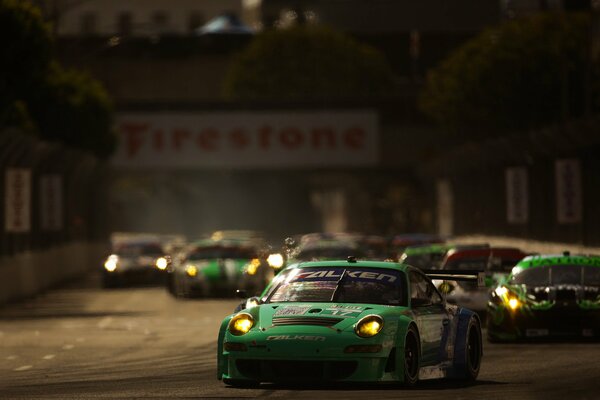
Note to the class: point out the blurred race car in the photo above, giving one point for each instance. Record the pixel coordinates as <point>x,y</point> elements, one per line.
<point>400,242</point>
<point>547,296</point>
<point>135,260</point>
<point>360,321</point>
<point>218,266</point>
<point>425,256</point>
<point>326,246</point>
<point>497,263</point>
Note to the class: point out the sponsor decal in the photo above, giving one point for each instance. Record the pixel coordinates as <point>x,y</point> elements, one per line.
<point>291,310</point>
<point>309,338</point>
<point>355,274</point>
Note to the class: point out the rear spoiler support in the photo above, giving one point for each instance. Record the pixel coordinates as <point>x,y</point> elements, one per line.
<point>457,275</point>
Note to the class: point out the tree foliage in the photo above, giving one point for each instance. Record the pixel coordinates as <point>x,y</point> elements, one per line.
<point>37,94</point>
<point>74,108</point>
<point>25,50</point>
<point>308,62</point>
<point>522,74</point>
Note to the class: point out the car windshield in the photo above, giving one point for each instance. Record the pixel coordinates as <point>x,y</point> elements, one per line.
<point>559,275</point>
<point>139,249</point>
<point>207,253</point>
<point>350,285</point>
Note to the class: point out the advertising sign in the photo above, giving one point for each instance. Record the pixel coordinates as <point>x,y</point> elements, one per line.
<point>17,200</point>
<point>240,140</point>
<point>568,191</point>
<point>517,195</point>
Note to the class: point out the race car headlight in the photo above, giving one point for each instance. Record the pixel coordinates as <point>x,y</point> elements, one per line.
<point>161,263</point>
<point>275,260</point>
<point>513,303</point>
<point>252,266</point>
<point>369,326</point>
<point>191,270</point>
<point>241,324</point>
<point>111,263</point>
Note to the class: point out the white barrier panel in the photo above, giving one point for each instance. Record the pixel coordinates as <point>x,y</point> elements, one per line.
<point>240,140</point>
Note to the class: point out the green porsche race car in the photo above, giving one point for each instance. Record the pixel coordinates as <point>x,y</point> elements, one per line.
<point>547,296</point>
<point>355,321</point>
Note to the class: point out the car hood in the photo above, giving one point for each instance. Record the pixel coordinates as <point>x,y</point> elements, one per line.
<point>335,315</point>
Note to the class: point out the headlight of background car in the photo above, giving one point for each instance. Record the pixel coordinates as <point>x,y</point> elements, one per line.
<point>241,324</point>
<point>252,266</point>
<point>191,270</point>
<point>508,297</point>
<point>111,263</point>
<point>275,260</point>
<point>369,326</point>
<point>161,263</point>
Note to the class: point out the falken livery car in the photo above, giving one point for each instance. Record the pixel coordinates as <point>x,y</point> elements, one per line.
<point>547,296</point>
<point>356,321</point>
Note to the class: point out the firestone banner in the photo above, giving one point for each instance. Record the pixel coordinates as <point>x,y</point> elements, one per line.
<point>240,140</point>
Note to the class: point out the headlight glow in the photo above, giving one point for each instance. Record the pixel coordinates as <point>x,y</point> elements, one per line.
<point>191,270</point>
<point>241,324</point>
<point>111,263</point>
<point>275,260</point>
<point>501,291</point>
<point>161,263</point>
<point>369,326</point>
<point>252,266</point>
<point>514,303</point>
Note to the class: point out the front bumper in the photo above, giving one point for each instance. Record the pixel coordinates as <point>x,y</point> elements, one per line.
<point>557,322</point>
<point>283,356</point>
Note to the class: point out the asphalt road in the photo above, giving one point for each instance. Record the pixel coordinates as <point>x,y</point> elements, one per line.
<point>83,342</point>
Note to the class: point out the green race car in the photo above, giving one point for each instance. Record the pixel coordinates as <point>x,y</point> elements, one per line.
<point>356,321</point>
<point>547,296</point>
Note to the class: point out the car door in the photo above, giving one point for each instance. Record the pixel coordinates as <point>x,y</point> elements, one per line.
<point>430,315</point>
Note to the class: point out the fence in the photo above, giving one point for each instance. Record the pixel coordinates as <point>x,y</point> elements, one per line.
<point>53,213</point>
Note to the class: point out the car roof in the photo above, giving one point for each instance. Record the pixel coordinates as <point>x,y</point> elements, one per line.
<point>462,253</point>
<point>351,264</point>
<point>541,260</point>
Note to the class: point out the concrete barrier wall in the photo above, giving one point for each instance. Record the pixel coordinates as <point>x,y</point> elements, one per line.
<point>29,273</point>
<point>527,245</point>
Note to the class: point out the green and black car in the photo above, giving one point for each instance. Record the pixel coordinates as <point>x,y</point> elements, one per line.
<point>547,296</point>
<point>351,321</point>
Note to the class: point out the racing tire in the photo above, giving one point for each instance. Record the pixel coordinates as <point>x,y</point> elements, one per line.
<point>240,383</point>
<point>473,351</point>
<point>412,352</point>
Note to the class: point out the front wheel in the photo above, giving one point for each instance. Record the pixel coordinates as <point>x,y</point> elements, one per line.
<point>411,357</point>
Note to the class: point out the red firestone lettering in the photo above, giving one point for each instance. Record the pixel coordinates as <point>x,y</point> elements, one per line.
<point>322,137</point>
<point>238,138</point>
<point>291,138</point>
<point>179,136</point>
<point>264,134</point>
<point>207,139</point>
<point>134,136</point>
<point>354,138</point>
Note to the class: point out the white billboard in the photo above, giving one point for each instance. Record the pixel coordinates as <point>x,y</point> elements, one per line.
<point>568,191</point>
<point>17,210</point>
<point>517,195</point>
<point>51,202</point>
<point>237,140</point>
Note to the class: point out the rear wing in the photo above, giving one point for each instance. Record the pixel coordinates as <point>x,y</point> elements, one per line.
<point>457,275</point>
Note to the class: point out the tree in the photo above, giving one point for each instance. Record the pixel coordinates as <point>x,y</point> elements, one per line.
<point>25,50</point>
<point>523,74</point>
<point>75,109</point>
<point>308,62</point>
<point>38,95</point>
